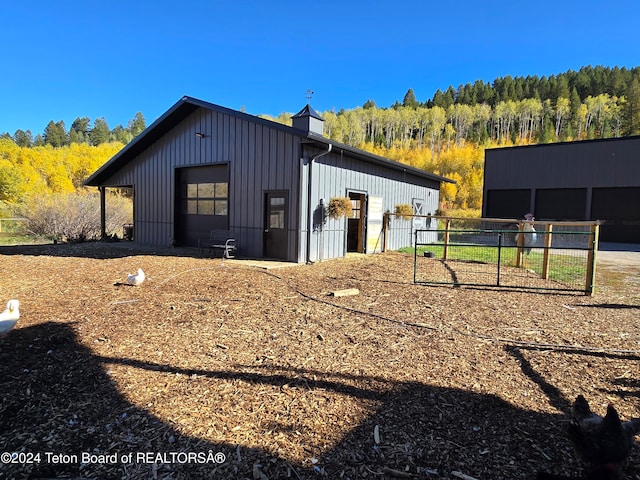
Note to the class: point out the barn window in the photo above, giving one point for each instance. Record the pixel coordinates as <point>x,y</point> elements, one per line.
<point>207,198</point>
<point>356,207</point>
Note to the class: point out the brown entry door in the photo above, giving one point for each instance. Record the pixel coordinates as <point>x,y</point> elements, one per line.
<point>275,231</point>
<point>356,223</point>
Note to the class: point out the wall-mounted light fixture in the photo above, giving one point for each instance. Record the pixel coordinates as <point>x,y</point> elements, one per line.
<point>200,135</point>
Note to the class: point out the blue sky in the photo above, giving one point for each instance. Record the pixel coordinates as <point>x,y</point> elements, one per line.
<point>68,59</point>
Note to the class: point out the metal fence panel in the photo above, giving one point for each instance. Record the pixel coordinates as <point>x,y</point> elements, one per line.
<point>474,252</point>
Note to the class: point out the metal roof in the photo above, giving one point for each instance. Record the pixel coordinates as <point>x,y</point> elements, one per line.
<point>373,158</point>
<point>565,143</point>
<point>187,105</point>
<point>308,111</point>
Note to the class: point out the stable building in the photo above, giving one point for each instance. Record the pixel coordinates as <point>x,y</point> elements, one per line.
<point>202,167</point>
<point>584,180</point>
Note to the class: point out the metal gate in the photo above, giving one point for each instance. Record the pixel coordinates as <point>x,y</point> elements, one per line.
<point>547,257</point>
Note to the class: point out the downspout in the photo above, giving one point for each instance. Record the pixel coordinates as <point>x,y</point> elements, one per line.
<point>309,207</point>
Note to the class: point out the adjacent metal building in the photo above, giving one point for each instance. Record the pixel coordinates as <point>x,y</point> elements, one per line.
<point>203,167</point>
<point>585,180</point>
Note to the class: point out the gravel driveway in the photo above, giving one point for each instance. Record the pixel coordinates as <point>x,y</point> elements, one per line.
<point>619,254</point>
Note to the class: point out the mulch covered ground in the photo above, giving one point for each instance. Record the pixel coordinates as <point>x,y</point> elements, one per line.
<point>220,370</point>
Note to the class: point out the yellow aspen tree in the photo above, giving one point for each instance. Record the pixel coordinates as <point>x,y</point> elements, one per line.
<point>474,183</point>
<point>449,191</point>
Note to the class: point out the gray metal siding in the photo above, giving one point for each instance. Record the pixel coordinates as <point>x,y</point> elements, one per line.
<point>593,166</point>
<point>334,175</point>
<point>260,158</point>
<point>603,163</point>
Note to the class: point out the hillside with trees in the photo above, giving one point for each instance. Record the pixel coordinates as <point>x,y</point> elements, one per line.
<point>448,133</point>
<point>44,185</point>
<point>41,177</point>
<point>445,134</point>
<point>81,131</point>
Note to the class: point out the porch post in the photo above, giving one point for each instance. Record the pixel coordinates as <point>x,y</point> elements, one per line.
<point>103,212</point>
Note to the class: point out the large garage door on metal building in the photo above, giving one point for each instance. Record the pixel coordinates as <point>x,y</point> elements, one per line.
<point>619,208</point>
<point>508,203</point>
<point>561,203</point>
<point>202,202</point>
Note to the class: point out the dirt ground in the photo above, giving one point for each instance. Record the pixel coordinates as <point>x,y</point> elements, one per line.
<point>224,370</point>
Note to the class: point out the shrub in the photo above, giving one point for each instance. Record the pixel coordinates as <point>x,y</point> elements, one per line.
<point>461,213</point>
<point>74,216</point>
<point>404,211</point>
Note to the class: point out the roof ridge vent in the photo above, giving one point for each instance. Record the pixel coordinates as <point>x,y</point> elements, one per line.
<point>308,120</point>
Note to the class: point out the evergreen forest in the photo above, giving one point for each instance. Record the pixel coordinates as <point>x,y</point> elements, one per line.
<point>445,134</point>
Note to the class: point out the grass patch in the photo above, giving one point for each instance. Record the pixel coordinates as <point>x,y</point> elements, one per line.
<point>565,268</point>
<point>8,238</point>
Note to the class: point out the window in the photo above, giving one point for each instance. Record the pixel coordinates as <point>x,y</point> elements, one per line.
<point>356,208</point>
<point>277,212</point>
<point>206,198</point>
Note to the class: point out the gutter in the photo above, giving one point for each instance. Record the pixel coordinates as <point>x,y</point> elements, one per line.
<point>309,208</point>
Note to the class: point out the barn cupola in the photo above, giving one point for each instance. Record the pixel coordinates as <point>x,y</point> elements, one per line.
<point>308,120</point>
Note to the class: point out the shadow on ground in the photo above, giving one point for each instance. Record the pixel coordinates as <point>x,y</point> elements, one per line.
<point>97,250</point>
<point>57,398</point>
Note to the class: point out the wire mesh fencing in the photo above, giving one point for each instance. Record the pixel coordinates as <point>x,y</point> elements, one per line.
<point>507,253</point>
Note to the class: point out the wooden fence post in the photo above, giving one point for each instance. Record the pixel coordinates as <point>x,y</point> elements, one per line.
<point>520,244</point>
<point>447,223</point>
<point>547,249</point>
<point>590,283</point>
<point>385,230</point>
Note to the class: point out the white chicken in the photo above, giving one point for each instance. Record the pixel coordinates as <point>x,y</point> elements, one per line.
<point>136,278</point>
<point>9,317</point>
<point>529,236</point>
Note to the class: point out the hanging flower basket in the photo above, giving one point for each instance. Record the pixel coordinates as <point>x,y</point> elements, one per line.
<point>340,207</point>
<point>404,211</point>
